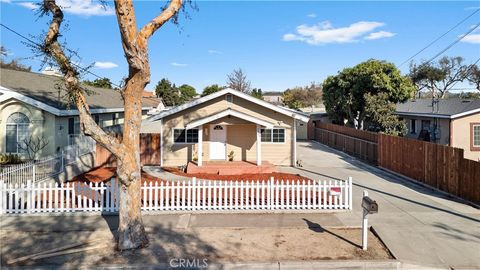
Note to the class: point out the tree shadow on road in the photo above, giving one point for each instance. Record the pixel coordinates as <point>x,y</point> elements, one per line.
<point>30,235</point>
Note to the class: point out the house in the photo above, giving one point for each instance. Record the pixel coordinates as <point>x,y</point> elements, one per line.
<point>212,127</point>
<point>273,97</point>
<point>454,122</point>
<point>34,104</point>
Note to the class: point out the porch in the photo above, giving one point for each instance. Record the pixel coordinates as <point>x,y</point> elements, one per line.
<point>230,167</point>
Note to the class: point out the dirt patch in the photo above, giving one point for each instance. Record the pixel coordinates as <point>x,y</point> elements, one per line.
<point>241,177</point>
<point>104,174</point>
<point>216,245</point>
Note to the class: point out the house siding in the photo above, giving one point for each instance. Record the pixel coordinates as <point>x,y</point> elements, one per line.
<point>462,135</point>
<point>443,126</point>
<point>180,154</point>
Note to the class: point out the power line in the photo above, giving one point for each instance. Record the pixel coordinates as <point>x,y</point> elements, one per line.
<point>39,46</point>
<point>453,43</point>
<point>437,39</point>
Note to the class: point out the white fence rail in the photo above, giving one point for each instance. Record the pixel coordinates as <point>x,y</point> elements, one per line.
<point>46,167</point>
<point>180,196</point>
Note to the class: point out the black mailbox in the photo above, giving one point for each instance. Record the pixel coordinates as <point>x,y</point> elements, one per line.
<point>370,205</point>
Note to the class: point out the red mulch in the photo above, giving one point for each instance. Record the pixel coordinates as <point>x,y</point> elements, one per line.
<point>104,174</point>
<point>241,177</point>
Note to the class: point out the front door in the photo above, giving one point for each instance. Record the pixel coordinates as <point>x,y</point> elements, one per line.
<point>218,139</point>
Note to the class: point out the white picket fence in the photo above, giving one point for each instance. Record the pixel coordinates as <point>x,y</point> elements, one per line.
<point>180,196</point>
<point>46,167</point>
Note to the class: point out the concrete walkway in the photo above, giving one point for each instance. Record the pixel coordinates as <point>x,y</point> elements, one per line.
<point>417,224</point>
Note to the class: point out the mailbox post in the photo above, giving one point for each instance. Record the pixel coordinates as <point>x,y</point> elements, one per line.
<point>369,207</point>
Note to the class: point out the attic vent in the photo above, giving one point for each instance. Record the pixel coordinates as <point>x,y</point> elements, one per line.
<point>229,98</point>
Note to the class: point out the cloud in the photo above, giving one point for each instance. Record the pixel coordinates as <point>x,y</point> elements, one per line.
<point>379,35</point>
<point>325,33</point>
<point>312,15</point>
<point>5,1</point>
<point>105,65</point>
<point>472,38</point>
<point>79,7</point>
<point>214,52</point>
<point>29,5</point>
<point>470,8</point>
<point>175,64</point>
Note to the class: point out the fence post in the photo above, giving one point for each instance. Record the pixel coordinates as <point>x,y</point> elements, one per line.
<point>29,193</point>
<point>33,173</point>
<point>270,191</point>
<point>350,187</point>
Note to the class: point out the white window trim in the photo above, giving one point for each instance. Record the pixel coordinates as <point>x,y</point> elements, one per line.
<point>271,136</point>
<point>17,140</point>
<point>473,135</point>
<point>173,136</point>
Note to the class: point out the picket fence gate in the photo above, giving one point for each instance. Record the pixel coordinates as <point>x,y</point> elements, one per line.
<point>180,196</point>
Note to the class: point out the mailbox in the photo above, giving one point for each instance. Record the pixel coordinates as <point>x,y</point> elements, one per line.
<point>369,205</point>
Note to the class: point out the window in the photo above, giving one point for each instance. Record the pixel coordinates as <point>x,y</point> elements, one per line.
<point>185,135</point>
<point>229,98</point>
<point>73,130</point>
<point>413,126</point>
<point>114,119</point>
<point>475,132</point>
<point>276,135</point>
<point>426,125</point>
<point>17,131</point>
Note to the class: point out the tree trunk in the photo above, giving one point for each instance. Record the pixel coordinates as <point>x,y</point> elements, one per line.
<point>131,232</point>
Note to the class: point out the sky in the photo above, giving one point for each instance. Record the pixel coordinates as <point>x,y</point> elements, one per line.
<point>279,44</point>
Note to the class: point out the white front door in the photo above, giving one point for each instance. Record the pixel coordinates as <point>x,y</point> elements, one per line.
<point>218,139</point>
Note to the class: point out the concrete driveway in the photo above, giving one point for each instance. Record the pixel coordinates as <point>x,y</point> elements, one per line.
<point>417,224</point>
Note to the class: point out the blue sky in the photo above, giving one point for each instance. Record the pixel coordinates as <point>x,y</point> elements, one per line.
<point>280,44</point>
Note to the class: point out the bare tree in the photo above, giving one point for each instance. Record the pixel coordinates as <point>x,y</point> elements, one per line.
<point>238,80</point>
<point>474,76</point>
<point>33,145</point>
<point>440,77</point>
<point>131,231</point>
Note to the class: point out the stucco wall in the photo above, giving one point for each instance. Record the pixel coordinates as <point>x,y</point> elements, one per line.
<point>180,154</point>
<point>462,135</point>
<point>41,123</point>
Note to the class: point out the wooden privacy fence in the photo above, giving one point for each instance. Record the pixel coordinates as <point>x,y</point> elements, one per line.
<point>439,166</point>
<point>363,149</point>
<point>180,196</point>
<point>149,151</point>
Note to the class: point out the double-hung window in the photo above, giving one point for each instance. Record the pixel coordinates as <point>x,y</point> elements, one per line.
<point>475,141</point>
<point>17,131</point>
<point>181,135</point>
<point>274,135</point>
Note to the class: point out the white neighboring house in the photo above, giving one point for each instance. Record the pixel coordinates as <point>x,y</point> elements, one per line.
<point>35,105</point>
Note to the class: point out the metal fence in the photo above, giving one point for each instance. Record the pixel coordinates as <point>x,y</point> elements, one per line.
<point>46,167</point>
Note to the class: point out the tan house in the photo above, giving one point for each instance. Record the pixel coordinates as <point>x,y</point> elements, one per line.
<point>454,122</point>
<point>223,125</point>
<point>35,105</point>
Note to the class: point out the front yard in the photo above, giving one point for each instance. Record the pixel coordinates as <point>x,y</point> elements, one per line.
<point>216,245</point>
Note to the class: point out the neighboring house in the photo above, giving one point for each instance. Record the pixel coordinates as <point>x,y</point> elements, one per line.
<point>273,97</point>
<point>226,121</point>
<point>33,104</point>
<point>454,122</point>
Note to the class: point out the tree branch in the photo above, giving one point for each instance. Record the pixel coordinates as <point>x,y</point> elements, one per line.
<point>149,29</point>
<point>53,49</point>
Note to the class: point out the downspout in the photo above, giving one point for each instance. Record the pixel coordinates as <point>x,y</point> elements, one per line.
<point>450,124</point>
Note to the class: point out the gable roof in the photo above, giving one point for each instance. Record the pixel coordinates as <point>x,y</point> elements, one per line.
<point>220,93</point>
<point>48,92</point>
<point>228,112</point>
<point>444,108</point>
